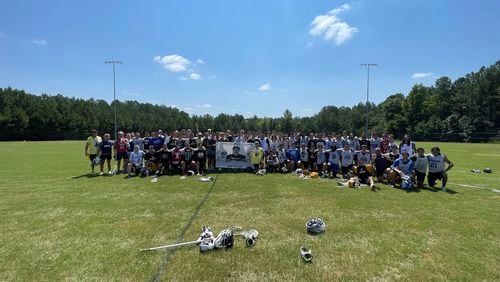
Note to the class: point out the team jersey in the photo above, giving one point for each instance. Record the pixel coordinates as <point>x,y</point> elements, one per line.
<point>176,156</point>
<point>106,147</point>
<point>436,163</point>
<point>165,156</point>
<point>375,142</point>
<point>272,159</point>
<point>281,156</point>
<point>294,154</point>
<point>328,144</point>
<point>145,140</point>
<point>405,167</point>
<point>200,155</point>
<point>407,148</point>
<point>256,156</point>
<point>171,144</point>
<point>153,157</point>
<point>211,146</point>
<point>136,158</point>
<point>93,144</point>
<point>346,157</point>
<point>320,157</point>
<point>384,146</point>
<point>122,145</point>
<point>381,163</point>
<point>334,157</point>
<point>157,142</point>
<point>264,144</point>
<point>421,163</point>
<point>363,158</point>
<point>193,143</point>
<point>188,154</point>
<point>365,142</point>
<point>304,154</point>
<point>139,142</point>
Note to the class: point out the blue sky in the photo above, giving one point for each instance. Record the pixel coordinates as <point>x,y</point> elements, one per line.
<point>248,57</point>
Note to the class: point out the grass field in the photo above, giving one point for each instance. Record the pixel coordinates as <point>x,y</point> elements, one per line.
<point>58,224</point>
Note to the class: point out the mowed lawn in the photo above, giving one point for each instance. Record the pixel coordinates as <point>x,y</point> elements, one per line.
<point>58,224</point>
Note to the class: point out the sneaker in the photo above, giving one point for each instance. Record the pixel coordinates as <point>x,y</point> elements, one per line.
<point>101,173</point>
<point>372,187</point>
<point>443,189</point>
<point>183,177</point>
<point>110,173</point>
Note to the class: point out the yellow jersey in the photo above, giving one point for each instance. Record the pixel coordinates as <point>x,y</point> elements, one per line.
<point>256,156</point>
<point>93,144</point>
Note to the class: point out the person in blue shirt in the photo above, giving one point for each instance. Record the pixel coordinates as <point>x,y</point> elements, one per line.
<point>400,168</point>
<point>293,157</point>
<point>104,152</point>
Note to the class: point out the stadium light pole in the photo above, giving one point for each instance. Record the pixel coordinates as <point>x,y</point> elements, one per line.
<point>114,89</point>
<point>367,65</point>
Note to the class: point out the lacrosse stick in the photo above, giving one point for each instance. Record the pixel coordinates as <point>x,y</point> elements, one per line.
<point>250,236</point>
<point>205,241</point>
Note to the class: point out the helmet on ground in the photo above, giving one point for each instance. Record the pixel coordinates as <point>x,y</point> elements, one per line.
<point>315,226</point>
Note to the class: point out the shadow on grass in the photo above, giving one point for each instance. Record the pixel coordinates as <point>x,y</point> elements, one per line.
<point>434,189</point>
<point>86,175</point>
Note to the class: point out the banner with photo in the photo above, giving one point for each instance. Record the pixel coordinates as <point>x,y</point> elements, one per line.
<point>233,154</point>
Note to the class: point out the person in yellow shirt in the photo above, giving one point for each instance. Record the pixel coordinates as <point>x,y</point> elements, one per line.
<point>256,156</point>
<point>92,147</point>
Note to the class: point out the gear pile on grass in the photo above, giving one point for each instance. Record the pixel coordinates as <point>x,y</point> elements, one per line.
<point>224,240</point>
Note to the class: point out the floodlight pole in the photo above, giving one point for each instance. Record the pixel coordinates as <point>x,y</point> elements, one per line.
<point>367,65</point>
<point>114,90</point>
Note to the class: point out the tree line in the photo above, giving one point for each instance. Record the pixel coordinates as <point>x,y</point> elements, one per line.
<point>467,109</point>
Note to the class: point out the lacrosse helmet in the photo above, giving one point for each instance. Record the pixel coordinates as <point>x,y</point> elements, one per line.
<point>206,246</point>
<point>314,174</point>
<point>487,170</point>
<point>315,226</point>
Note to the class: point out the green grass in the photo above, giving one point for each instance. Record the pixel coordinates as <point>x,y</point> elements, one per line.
<point>56,225</point>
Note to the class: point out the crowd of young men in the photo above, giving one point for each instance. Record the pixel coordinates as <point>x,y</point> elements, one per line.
<point>336,155</point>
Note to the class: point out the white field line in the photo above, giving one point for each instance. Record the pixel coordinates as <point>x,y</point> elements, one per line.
<point>477,187</point>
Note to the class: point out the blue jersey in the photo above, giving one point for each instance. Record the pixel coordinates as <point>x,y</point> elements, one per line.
<point>106,147</point>
<point>294,154</point>
<point>405,167</point>
<point>157,142</point>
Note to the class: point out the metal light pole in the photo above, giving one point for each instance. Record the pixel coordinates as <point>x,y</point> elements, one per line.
<point>114,89</point>
<point>367,65</point>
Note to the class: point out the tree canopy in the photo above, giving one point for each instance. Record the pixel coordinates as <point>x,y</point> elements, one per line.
<point>465,109</point>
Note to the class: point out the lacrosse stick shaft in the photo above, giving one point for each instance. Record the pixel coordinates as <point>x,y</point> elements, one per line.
<point>173,245</point>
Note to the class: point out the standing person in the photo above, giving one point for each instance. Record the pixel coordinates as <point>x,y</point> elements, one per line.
<point>304,156</point>
<point>375,142</point>
<point>177,162</point>
<point>156,141</point>
<point>92,147</point>
<point>293,155</point>
<point>137,140</point>
<point>334,161</point>
<point>346,159</point>
<point>136,161</point>
<point>384,144</point>
<point>121,151</point>
<point>408,146</point>
<point>200,157</point>
<point>256,156</point>
<point>189,163</point>
<point>282,159</point>
<point>437,168</point>
<point>104,153</point>
<point>366,142</point>
<point>320,157</point>
<point>165,157</point>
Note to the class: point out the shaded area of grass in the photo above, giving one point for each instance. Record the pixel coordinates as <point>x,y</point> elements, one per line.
<point>56,227</point>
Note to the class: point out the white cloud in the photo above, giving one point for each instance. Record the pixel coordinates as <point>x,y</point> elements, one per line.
<point>40,42</point>
<point>2,35</point>
<point>421,75</point>
<point>173,63</point>
<point>264,88</point>
<point>331,27</point>
<point>195,76</point>
<point>204,106</point>
<point>200,61</point>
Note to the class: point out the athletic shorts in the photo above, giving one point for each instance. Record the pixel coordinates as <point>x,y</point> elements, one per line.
<point>105,157</point>
<point>92,157</point>
<point>420,176</point>
<point>122,155</point>
<point>433,176</point>
<point>345,169</point>
<point>334,167</point>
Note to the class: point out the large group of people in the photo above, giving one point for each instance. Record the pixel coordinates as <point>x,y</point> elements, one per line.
<point>369,160</point>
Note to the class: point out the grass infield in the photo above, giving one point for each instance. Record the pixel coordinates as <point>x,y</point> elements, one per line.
<point>59,224</point>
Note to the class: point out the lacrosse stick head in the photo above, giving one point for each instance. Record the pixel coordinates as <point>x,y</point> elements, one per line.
<point>251,237</point>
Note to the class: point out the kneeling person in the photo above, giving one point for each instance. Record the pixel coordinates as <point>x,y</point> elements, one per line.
<point>136,161</point>
<point>437,169</point>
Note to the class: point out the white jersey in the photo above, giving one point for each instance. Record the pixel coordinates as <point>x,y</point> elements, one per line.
<point>334,157</point>
<point>328,144</point>
<point>436,163</point>
<point>421,164</point>
<point>281,156</point>
<point>304,155</point>
<point>347,157</point>
<point>320,157</point>
<point>363,158</point>
<point>136,158</point>
<point>273,145</point>
<point>407,148</point>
